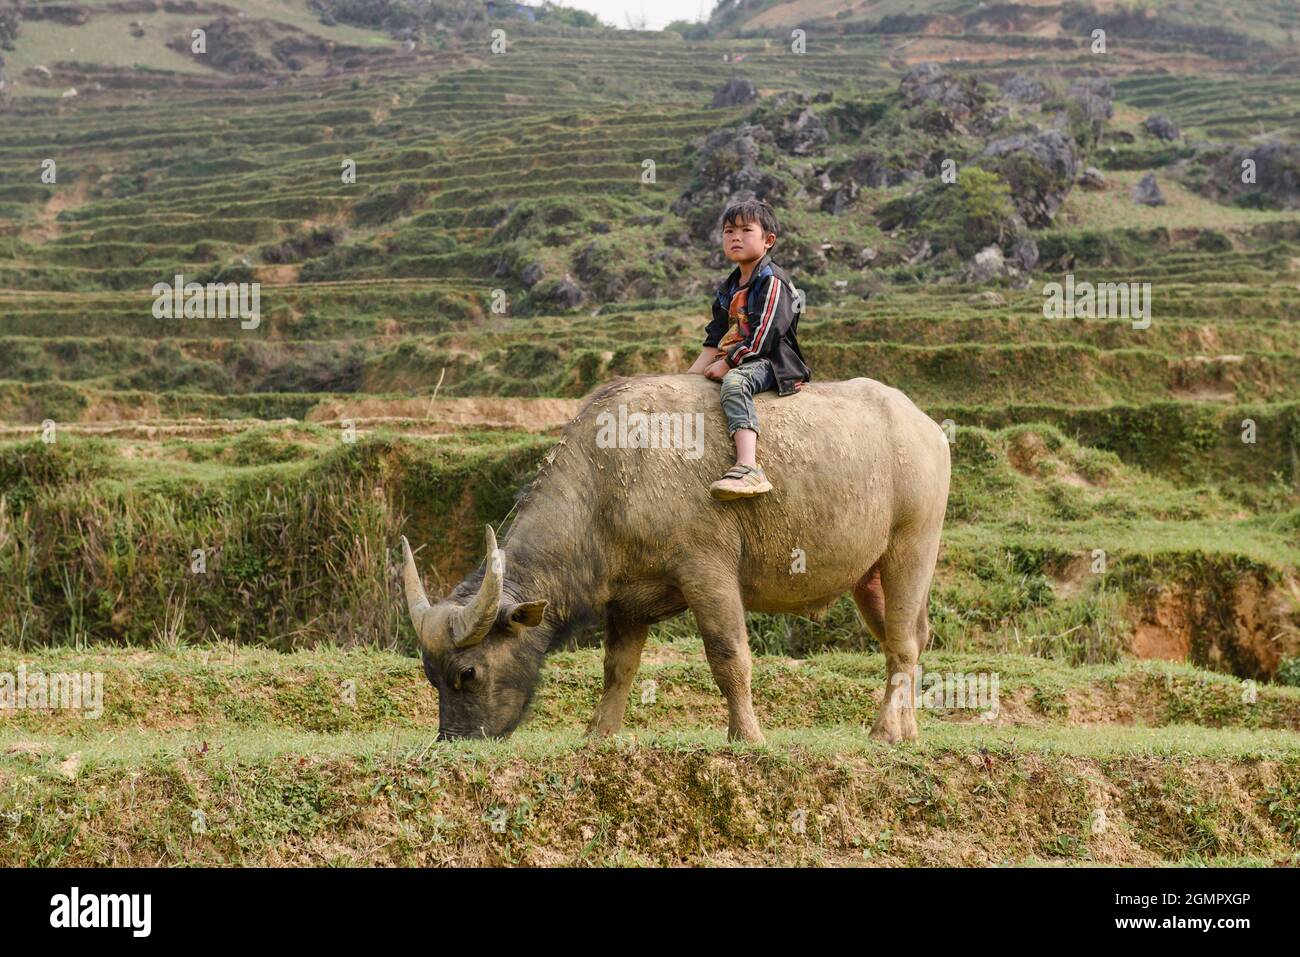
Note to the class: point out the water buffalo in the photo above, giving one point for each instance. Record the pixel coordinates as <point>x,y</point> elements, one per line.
<point>619,529</point>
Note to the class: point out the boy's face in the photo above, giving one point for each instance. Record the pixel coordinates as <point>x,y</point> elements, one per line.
<point>744,242</point>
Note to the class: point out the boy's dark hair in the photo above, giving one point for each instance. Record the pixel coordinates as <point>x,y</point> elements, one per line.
<point>752,210</point>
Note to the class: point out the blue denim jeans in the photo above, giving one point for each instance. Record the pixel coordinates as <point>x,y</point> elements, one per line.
<point>739,386</point>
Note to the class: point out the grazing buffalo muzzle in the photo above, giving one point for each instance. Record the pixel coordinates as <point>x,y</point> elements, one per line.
<point>625,534</point>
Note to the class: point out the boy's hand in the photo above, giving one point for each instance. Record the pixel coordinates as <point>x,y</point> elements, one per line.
<point>717,370</point>
<point>705,359</point>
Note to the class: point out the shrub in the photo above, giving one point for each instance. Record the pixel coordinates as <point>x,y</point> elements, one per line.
<point>966,216</point>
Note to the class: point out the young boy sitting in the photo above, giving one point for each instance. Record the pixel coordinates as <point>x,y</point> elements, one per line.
<point>750,343</point>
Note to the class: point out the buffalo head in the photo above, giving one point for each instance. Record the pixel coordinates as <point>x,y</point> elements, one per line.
<point>476,651</point>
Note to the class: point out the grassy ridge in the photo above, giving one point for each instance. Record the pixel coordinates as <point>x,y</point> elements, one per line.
<point>968,796</point>
<point>931,374</point>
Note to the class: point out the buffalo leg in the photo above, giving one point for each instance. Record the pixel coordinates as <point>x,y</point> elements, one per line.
<point>721,619</point>
<point>870,599</point>
<point>905,579</point>
<point>623,644</point>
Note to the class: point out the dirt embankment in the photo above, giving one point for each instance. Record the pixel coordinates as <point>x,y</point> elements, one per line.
<point>534,415</point>
<point>1244,628</point>
<point>1232,621</point>
<point>629,804</point>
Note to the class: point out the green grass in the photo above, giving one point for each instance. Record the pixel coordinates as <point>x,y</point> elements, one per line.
<point>224,690</point>
<point>1112,209</point>
<point>230,735</point>
<point>826,795</point>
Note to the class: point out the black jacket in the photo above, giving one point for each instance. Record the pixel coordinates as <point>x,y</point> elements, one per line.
<point>772,320</point>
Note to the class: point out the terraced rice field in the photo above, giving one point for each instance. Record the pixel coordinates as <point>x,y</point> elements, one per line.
<point>1122,546</point>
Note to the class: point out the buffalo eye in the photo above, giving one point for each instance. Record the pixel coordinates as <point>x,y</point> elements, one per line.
<point>466,676</point>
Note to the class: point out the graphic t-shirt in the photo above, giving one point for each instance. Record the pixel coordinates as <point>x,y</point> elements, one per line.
<point>737,322</point>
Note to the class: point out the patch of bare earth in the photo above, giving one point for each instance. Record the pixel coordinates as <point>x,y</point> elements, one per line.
<point>1029,455</point>
<point>46,228</point>
<point>1073,578</point>
<point>280,275</point>
<point>1164,631</point>
<point>1207,378</point>
<point>1249,638</point>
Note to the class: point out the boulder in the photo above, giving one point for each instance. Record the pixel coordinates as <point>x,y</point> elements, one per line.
<point>841,199</point>
<point>985,265</point>
<point>734,92</point>
<point>730,168</point>
<point>1021,89</point>
<point>1147,192</point>
<point>919,251</point>
<point>1024,255</point>
<point>532,274</point>
<point>803,134</point>
<point>567,294</point>
<point>599,267</point>
<point>1040,169</point>
<point>671,258</point>
<point>800,256</point>
<point>1161,127</point>
<point>796,129</point>
<point>922,77</point>
<point>986,121</point>
<point>1095,95</point>
<point>873,170</point>
<point>1276,174</point>
<point>949,102</point>
<point>1092,178</point>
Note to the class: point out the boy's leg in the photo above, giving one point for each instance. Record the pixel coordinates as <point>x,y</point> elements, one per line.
<point>739,386</point>
<point>738,389</point>
<point>746,447</point>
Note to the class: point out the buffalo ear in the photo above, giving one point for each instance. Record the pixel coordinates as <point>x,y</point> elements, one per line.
<point>527,614</point>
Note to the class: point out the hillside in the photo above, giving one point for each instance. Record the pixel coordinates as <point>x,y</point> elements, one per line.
<point>1123,536</point>
<point>1214,29</point>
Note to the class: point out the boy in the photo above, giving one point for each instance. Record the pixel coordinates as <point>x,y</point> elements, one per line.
<point>750,343</point>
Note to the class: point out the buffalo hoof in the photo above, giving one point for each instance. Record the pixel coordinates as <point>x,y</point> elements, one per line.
<point>894,729</point>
